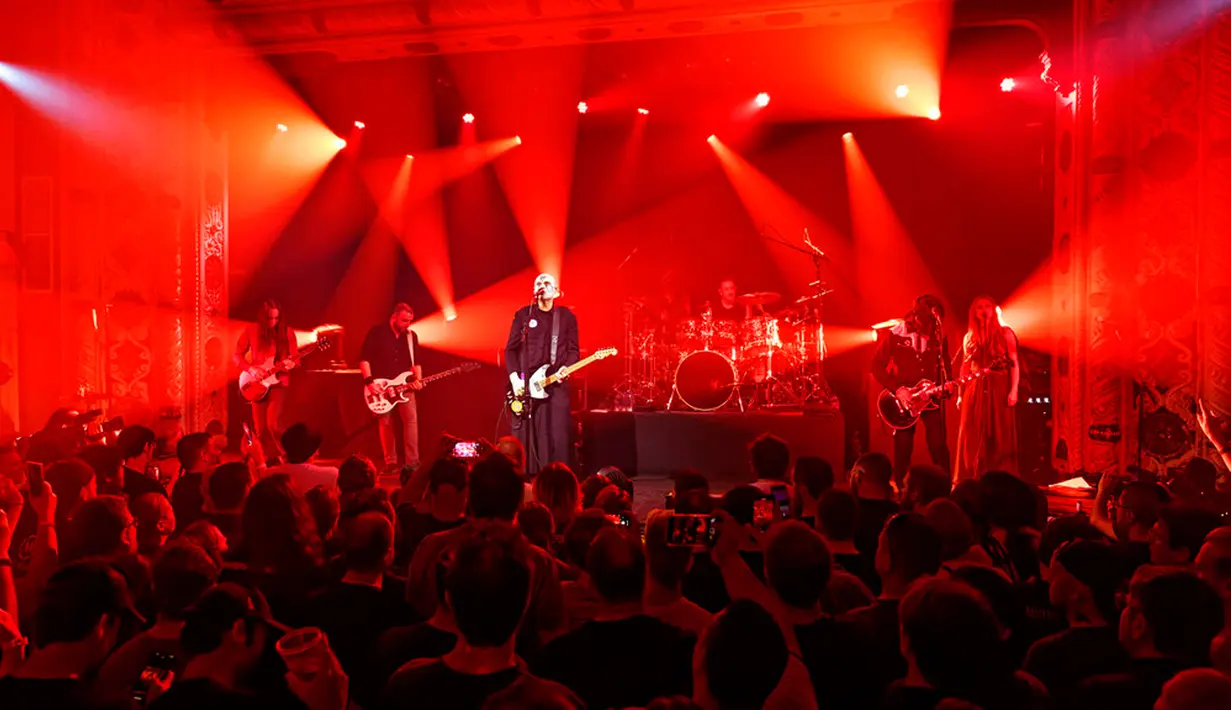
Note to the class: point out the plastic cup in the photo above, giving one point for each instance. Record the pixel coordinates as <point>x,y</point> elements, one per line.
<point>304,651</point>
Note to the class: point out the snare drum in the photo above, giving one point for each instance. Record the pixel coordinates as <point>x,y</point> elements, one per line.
<point>705,380</point>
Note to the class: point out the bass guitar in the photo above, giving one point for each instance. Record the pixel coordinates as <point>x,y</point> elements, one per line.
<point>540,381</point>
<point>391,393</point>
<point>256,382</point>
<point>902,412</point>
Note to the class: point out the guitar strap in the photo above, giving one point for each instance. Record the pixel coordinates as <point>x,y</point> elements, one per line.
<point>410,348</point>
<point>555,335</point>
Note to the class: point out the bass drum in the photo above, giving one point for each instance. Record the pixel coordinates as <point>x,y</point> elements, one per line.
<point>705,380</point>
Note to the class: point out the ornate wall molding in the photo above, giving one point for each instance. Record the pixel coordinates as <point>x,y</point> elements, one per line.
<point>1142,280</point>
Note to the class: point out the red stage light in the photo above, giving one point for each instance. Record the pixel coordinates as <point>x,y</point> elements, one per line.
<point>468,118</point>
<point>517,140</point>
<point>902,91</point>
<point>643,111</point>
<point>848,136</point>
<point>762,99</point>
<point>360,125</point>
<point>282,128</point>
<point>712,139</point>
<point>583,107</point>
<point>339,143</point>
<point>934,114</point>
<point>409,156</point>
<point>1008,85</point>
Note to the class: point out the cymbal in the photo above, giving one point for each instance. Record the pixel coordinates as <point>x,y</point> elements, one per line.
<point>761,298</point>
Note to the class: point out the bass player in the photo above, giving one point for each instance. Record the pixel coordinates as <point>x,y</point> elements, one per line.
<point>269,339</point>
<point>916,349</point>
<point>389,350</point>
<point>543,334</point>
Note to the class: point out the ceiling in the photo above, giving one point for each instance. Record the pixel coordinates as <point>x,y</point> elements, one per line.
<point>358,30</point>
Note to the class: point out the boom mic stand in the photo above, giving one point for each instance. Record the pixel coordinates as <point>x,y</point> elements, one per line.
<point>820,391</point>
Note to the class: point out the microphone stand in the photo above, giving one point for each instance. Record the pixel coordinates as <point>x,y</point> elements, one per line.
<point>524,397</point>
<point>821,388</point>
<point>942,372</point>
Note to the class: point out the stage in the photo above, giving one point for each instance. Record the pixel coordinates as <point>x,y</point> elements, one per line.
<point>716,444</point>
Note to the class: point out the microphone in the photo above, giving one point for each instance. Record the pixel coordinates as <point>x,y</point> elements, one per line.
<point>540,291</point>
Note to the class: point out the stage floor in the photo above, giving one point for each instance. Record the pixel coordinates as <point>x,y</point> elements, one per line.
<point>716,444</point>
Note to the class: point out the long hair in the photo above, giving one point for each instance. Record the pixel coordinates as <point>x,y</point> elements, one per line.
<point>986,338</point>
<point>275,336</point>
<point>278,532</point>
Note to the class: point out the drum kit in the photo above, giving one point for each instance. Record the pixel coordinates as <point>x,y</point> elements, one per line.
<point>706,364</point>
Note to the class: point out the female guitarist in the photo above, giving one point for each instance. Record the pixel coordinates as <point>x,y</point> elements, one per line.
<point>987,430</point>
<point>268,341</point>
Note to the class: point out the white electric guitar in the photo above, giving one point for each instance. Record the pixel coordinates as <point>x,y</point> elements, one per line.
<point>255,383</point>
<point>391,393</point>
<point>540,380</point>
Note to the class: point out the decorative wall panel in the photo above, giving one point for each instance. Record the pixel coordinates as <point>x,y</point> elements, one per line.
<point>1142,325</point>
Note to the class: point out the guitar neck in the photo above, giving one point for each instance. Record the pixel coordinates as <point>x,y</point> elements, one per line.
<point>441,375</point>
<point>580,364</point>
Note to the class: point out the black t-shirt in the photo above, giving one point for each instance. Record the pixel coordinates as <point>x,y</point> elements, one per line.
<point>869,523</point>
<point>1015,693</point>
<point>721,312</point>
<point>204,694</point>
<point>874,654</point>
<point>824,648</point>
<point>60,694</point>
<point>397,647</point>
<point>136,483</point>
<point>386,352</point>
<point>1136,688</point>
<point>624,663</point>
<point>1062,661</point>
<point>857,564</point>
<point>413,526</point>
<point>354,616</point>
<point>430,684</point>
<point>187,500</point>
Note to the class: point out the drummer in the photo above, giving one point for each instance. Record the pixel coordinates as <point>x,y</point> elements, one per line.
<point>727,308</point>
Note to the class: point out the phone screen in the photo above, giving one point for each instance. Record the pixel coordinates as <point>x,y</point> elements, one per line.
<point>466,450</point>
<point>691,530</point>
<point>159,671</point>
<point>783,499</point>
<point>34,474</point>
<point>763,513</point>
<point>624,520</point>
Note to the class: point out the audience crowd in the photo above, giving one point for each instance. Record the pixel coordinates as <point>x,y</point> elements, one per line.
<point>471,584</point>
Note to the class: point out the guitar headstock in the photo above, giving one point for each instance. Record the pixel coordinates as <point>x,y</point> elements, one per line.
<point>605,353</point>
<point>470,366</point>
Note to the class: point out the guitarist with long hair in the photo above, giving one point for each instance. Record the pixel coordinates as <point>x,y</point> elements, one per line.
<point>912,351</point>
<point>268,338</point>
<point>543,334</point>
<point>987,429</point>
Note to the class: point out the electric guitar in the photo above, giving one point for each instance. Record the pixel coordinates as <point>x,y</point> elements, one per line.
<point>255,382</point>
<point>540,381</point>
<point>393,392</point>
<point>898,414</point>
